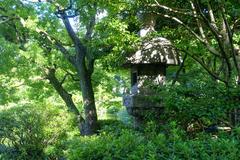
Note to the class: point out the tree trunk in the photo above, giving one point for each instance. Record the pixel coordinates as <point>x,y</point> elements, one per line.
<point>90,125</point>
<point>66,97</point>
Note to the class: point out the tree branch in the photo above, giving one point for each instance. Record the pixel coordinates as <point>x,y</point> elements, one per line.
<point>183,24</point>
<point>218,37</point>
<point>200,27</point>
<point>64,51</point>
<point>88,36</point>
<point>64,78</point>
<point>212,18</point>
<point>171,9</point>
<point>72,75</point>
<point>79,47</point>
<point>211,27</point>
<point>59,46</point>
<point>234,25</point>
<point>180,69</point>
<point>67,98</point>
<point>214,75</point>
<point>230,36</point>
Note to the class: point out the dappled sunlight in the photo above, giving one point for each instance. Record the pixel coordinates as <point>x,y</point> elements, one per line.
<point>121,80</point>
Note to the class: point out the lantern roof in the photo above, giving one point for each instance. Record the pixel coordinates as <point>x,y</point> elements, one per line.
<point>158,50</point>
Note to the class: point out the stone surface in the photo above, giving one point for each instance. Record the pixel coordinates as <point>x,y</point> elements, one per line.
<point>141,106</point>
<point>148,68</point>
<point>155,51</point>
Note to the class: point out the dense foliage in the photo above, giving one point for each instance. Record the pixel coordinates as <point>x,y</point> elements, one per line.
<point>200,104</point>
<point>32,132</point>
<point>62,76</point>
<point>116,142</point>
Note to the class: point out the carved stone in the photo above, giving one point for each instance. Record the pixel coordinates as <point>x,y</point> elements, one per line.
<point>148,68</point>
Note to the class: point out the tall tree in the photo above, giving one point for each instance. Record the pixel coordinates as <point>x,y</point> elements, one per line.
<point>50,24</point>
<point>81,60</point>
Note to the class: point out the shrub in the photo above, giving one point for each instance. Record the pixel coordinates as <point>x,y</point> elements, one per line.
<point>121,143</point>
<point>170,143</point>
<point>32,132</point>
<point>22,131</point>
<point>198,104</point>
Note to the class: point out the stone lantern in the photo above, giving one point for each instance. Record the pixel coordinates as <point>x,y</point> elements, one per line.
<point>148,66</point>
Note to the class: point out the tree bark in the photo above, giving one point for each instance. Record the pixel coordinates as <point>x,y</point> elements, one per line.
<point>67,98</point>
<point>90,125</point>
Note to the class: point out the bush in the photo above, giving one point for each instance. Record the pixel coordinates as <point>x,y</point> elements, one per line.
<point>198,104</point>
<point>31,132</point>
<point>22,131</point>
<point>171,143</point>
<point>113,142</point>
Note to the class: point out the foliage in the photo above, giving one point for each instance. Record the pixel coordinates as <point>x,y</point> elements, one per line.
<point>117,142</point>
<point>33,39</point>
<point>28,132</point>
<point>199,103</point>
<point>22,130</point>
